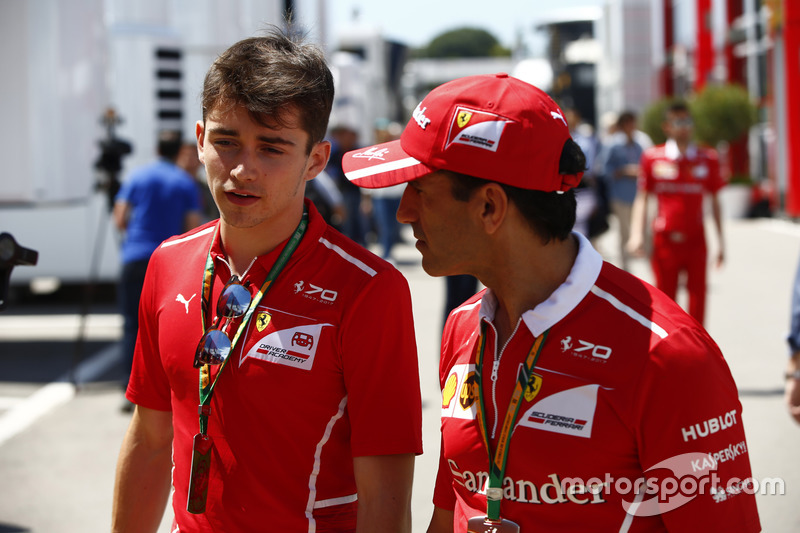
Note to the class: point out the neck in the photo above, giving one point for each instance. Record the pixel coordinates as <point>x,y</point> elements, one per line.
<point>683,145</point>
<point>525,276</point>
<point>241,245</point>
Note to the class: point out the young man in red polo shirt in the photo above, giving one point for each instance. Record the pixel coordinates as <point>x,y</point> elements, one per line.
<point>680,174</point>
<point>575,397</point>
<point>299,409</point>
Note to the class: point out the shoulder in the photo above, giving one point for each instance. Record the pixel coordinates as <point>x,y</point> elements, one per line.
<point>353,256</point>
<point>707,153</point>
<point>654,152</point>
<point>197,239</point>
<point>463,321</point>
<point>637,307</point>
<point>673,340</point>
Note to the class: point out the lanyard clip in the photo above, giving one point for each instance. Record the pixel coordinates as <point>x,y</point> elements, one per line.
<point>203,410</point>
<point>494,494</point>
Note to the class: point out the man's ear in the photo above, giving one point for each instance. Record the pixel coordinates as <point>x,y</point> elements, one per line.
<point>493,206</point>
<point>199,132</point>
<point>318,159</point>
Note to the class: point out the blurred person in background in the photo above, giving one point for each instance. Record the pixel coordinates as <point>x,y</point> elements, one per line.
<point>386,201</point>
<point>621,172</point>
<point>343,138</point>
<point>327,198</point>
<point>792,395</point>
<point>157,201</point>
<point>591,216</point>
<point>679,174</point>
<point>190,162</point>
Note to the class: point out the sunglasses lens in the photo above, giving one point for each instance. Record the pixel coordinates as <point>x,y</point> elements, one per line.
<point>214,348</point>
<point>234,301</point>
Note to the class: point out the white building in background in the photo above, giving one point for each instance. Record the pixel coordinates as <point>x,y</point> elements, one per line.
<point>71,61</point>
<point>626,72</point>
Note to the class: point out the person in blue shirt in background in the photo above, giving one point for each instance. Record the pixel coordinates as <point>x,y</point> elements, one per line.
<point>621,171</point>
<point>157,201</point>
<point>793,368</point>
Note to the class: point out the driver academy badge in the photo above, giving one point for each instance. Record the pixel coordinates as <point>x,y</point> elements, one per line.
<point>262,320</point>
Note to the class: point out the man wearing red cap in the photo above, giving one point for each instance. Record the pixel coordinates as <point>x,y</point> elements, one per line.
<point>559,403</point>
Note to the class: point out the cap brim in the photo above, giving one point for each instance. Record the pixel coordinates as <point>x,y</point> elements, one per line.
<point>382,165</point>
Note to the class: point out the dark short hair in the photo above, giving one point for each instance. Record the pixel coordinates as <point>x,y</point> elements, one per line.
<point>626,117</point>
<point>270,75</point>
<point>169,144</point>
<point>551,215</point>
<point>678,106</point>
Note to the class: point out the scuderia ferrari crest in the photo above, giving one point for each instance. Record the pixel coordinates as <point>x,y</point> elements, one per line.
<point>262,320</point>
<point>534,386</point>
<point>476,128</point>
<point>463,118</point>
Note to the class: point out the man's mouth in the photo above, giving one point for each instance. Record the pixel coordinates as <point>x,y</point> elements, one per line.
<point>241,198</point>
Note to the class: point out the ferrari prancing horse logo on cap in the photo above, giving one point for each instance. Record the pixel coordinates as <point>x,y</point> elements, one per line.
<point>477,129</point>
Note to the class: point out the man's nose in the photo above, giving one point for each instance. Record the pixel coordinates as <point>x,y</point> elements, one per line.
<point>245,168</point>
<point>406,212</point>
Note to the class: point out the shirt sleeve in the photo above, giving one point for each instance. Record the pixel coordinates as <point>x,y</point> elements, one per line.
<point>645,181</point>
<point>443,494</point>
<point>125,191</point>
<point>380,369</point>
<point>691,432</point>
<point>715,181</point>
<point>148,385</point>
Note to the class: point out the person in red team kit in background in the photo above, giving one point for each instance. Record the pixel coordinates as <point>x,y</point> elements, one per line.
<point>679,174</point>
<point>574,395</point>
<point>309,412</point>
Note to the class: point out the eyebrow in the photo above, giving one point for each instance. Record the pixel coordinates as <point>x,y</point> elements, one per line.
<point>263,138</point>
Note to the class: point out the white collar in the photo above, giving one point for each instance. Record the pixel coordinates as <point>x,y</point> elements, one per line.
<point>671,150</point>
<point>564,299</point>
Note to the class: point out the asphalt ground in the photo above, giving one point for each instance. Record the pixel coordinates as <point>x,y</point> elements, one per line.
<point>59,441</point>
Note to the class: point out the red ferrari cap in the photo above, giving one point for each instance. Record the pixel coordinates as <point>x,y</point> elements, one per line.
<point>493,127</point>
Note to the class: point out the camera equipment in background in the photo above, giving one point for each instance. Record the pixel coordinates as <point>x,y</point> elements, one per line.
<point>11,255</point>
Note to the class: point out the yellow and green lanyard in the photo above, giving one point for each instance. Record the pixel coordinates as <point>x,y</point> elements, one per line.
<point>497,467</point>
<point>201,447</point>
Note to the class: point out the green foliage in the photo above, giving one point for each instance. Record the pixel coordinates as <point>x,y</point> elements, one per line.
<point>464,42</point>
<point>722,113</point>
<point>653,117</point>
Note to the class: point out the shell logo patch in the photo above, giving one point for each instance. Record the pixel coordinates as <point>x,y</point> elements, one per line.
<point>476,128</point>
<point>449,390</point>
<point>459,393</point>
